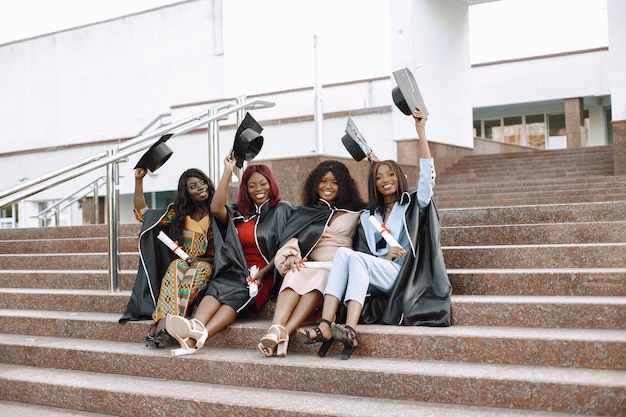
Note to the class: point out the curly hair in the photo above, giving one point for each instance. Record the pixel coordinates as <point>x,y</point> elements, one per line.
<point>348,196</point>
<point>183,204</point>
<point>244,203</point>
<point>376,200</point>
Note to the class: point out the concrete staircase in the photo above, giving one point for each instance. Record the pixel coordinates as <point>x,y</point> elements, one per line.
<point>535,246</point>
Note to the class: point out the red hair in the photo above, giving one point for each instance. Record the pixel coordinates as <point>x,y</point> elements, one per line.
<point>244,203</point>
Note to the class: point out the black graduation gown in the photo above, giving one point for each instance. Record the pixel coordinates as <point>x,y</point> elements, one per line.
<point>229,284</point>
<point>154,258</point>
<point>421,295</point>
<point>307,224</point>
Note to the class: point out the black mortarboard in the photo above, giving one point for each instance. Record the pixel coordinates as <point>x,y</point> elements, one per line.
<point>406,95</point>
<point>157,155</point>
<point>354,142</point>
<point>248,140</point>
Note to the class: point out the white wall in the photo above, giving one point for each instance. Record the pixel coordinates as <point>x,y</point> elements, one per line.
<point>555,78</point>
<point>109,79</point>
<point>617,38</point>
<point>435,35</point>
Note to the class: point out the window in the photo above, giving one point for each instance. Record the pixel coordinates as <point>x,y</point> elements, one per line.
<point>493,130</point>
<point>536,131</point>
<point>513,130</point>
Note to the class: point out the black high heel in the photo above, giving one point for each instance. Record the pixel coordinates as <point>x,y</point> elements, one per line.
<point>325,346</point>
<point>319,338</point>
<point>347,336</point>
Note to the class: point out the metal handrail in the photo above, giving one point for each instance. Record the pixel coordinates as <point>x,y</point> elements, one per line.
<point>125,150</point>
<point>69,200</point>
<point>112,157</point>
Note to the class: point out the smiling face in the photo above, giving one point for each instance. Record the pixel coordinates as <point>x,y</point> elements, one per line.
<point>386,182</point>
<point>328,188</point>
<point>197,189</point>
<point>258,188</point>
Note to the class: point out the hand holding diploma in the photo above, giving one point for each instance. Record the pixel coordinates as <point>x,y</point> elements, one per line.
<point>395,250</point>
<point>172,245</point>
<point>384,232</point>
<point>253,287</point>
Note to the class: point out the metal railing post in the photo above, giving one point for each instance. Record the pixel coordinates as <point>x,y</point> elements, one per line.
<point>113,220</point>
<point>214,148</point>
<point>96,203</point>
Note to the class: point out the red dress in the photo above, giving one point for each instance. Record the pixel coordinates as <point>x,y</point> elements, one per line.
<point>253,257</point>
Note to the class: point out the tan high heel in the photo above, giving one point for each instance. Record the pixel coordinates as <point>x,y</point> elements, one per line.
<point>182,330</point>
<point>275,341</point>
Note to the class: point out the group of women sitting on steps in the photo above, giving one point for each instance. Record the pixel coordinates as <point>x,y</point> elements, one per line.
<point>331,263</point>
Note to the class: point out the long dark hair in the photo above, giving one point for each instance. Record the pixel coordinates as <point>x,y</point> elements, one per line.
<point>183,205</point>
<point>244,203</point>
<point>376,200</point>
<point>348,196</point>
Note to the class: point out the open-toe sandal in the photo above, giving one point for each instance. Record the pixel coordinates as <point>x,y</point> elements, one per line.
<point>183,330</point>
<point>275,342</point>
<point>347,336</point>
<point>319,338</point>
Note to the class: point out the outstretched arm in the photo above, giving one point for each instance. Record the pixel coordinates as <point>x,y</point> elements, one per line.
<point>218,203</point>
<point>420,127</point>
<point>139,199</point>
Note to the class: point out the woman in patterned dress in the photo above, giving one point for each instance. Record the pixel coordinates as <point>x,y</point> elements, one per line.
<point>189,223</point>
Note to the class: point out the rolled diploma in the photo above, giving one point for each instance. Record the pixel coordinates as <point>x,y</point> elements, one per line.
<point>384,233</point>
<point>172,245</point>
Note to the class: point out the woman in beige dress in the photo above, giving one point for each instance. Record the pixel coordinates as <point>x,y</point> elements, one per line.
<point>327,221</point>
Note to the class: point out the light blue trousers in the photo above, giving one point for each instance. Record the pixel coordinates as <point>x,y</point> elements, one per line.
<point>354,274</point>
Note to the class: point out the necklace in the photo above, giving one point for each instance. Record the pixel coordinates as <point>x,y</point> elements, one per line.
<point>388,207</point>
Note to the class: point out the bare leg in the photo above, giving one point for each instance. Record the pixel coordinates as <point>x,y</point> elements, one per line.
<point>285,305</point>
<point>329,311</point>
<point>306,305</point>
<point>207,308</point>
<point>224,316</point>
<point>353,314</point>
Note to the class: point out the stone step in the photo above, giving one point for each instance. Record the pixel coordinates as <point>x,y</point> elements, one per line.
<point>447,184</point>
<point>65,279</point>
<point>548,281</point>
<point>537,388</point>
<point>68,232</point>
<point>538,282</point>
<point>71,246</point>
<point>509,174</point>
<point>534,234</point>
<point>589,255</point>
<point>579,232</point>
<point>469,203</point>
<point>556,192</point>
<point>577,154</point>
<point>467,310</point>
<point>124,395</point>
<point>16,409</point>
<point>579,348</point>
<point>533,214</point>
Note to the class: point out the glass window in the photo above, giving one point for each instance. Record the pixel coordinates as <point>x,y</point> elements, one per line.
<point>536,131</point>
<point>513,130</point>
<point>493,130</point>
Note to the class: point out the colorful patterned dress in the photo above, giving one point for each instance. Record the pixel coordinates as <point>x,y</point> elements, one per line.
<point>182,283</point>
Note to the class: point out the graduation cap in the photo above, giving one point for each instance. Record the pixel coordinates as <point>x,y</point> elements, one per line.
<point>406,95</point>
<point>157,155</point>
<point>354,142</point>
<point>248,140</point>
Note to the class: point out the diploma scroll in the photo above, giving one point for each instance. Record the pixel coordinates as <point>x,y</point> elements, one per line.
<point>172,245</point>
<point>384,232</point>
<point>253,288</point>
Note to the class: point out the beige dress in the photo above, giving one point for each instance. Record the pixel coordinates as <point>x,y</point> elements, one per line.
<point>338,234</point>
